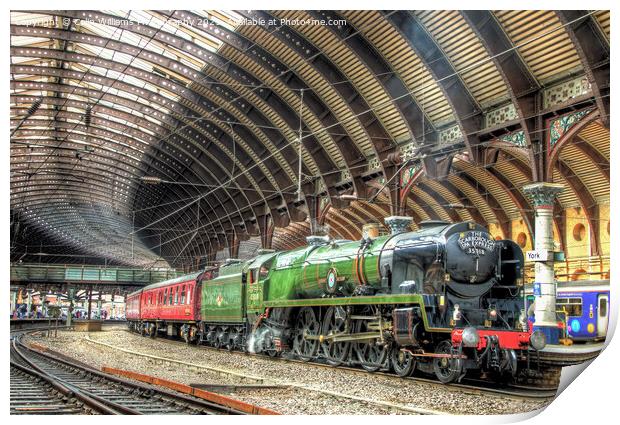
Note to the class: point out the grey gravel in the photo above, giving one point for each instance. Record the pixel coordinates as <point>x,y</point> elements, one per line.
<point>379,388</point>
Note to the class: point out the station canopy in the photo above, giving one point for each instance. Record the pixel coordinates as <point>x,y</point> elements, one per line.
<point>171,138</point>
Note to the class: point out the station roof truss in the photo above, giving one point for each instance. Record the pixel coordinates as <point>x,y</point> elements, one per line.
<point>164,137</point>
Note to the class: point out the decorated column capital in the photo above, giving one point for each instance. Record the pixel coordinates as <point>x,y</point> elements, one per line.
<point>398,224</point>
<point>543,194</point>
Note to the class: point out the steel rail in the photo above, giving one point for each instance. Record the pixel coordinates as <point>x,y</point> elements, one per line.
<point>180,403</point>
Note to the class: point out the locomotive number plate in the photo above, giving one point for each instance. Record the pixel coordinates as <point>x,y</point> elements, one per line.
<point>476,243</point>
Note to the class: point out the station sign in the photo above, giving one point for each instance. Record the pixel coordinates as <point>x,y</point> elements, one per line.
<point>537,255</point>
<point>536,289</point>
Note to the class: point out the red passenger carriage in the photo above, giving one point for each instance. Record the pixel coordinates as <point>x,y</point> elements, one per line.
<point>168,305</point>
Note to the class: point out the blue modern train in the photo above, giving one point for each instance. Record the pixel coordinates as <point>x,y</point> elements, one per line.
<point>583,306</point>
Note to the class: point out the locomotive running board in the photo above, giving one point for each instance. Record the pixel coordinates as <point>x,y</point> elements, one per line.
<point>361,336</point>
<point>438,356</point>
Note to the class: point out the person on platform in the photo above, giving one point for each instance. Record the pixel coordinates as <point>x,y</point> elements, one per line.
<point>530,314</point>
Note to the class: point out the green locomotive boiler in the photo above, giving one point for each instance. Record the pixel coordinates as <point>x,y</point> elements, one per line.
<point>445,299</point>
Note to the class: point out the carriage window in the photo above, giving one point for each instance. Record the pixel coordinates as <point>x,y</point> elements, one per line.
<point>160,298</point>
<point>572,306</point>
<point>189,294</point>
<point>176,295</point>
<point>165,296</point>
<point>170,299</point>
<point>183,295</point>
<point>602,307</point>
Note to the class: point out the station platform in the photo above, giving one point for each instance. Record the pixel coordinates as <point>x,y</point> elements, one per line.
<point>567,355</point>
<point>21,323</point>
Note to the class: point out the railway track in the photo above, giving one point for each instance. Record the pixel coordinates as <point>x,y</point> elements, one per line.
<point>80,387</point>
<point>470,385</point>
<point>32,395</point>
<point>290,391</point>
<point>519,395</point>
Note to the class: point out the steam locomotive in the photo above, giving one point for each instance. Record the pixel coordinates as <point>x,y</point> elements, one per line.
<point>444,300</point>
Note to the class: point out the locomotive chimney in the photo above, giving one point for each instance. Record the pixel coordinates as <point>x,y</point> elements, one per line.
<point>398,224</point>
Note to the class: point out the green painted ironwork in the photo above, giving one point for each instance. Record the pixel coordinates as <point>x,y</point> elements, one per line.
<point>559,126</point>
<point>517,138</point>
<point>39,273</point>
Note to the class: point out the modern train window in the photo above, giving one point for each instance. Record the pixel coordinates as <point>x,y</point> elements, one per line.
<point>602,307</point>
<point>572,306</point>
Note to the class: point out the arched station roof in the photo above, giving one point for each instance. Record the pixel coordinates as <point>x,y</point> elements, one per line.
<point>163,137</point>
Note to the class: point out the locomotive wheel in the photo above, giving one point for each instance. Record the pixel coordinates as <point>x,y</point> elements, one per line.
<point>335,323</point>
<point>446,369</point>
<point>306,324</point>
<point>270,348</point>
<point>232,337</point>
<point>403,362</point>
<point>217,341</point>
<point>371,355</point>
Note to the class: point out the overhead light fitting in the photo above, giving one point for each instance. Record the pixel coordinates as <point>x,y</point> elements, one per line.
<point>150,179</point>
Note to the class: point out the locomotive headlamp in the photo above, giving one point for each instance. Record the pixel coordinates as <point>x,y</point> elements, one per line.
<point>470,337</point>
<point>492,314</point>
<point>456,313</point>
<point>538,340</point>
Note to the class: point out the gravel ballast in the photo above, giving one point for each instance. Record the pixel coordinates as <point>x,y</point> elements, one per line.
<point>387,389</point>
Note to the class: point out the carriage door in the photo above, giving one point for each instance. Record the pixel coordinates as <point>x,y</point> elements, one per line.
<point>602,319</point>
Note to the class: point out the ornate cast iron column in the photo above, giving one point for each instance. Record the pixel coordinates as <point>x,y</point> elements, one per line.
<point>542,196</point>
